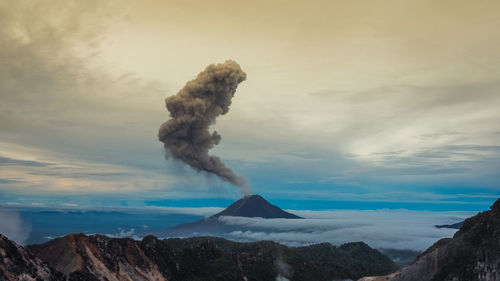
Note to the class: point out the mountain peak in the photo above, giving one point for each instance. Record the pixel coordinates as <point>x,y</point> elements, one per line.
<point>250,206</point>
<point>255,206</point>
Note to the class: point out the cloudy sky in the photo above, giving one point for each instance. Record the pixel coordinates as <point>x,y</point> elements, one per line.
<point>347,104</point>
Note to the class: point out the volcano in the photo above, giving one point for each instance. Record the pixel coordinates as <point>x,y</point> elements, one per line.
<point>253,206</point>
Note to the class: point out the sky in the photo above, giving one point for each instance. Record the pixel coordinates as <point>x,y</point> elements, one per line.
<point>346,105</point>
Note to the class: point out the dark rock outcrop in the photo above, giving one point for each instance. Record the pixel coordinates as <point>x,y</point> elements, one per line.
<point>18,264</point>
<point>457,225</point>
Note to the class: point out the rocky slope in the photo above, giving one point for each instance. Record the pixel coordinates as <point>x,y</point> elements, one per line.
<point>80,257</point>
<point>18,264</point>
<point>98,257</point>
<point>473,254</point>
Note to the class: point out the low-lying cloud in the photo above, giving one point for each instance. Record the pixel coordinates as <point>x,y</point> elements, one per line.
<point>381,229</point>
<point>394,229</point>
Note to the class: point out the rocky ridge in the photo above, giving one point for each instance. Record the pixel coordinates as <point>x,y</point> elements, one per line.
<point>18,264</point>
<point>97,257</point>
<point>473,254</point>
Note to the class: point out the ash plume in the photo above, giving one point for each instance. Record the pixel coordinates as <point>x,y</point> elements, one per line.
<point>192,110</point>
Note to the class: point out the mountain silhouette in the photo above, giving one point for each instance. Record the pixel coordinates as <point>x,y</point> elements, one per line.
<point>253,206</point>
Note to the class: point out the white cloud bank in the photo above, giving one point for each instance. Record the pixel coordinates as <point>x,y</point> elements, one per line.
<point>394,229</point>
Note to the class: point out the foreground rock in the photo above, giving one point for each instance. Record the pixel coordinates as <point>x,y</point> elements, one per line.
<point>18,264</point>
<point>98,257</point>
<point>473,254</point>
<point>80,257</point>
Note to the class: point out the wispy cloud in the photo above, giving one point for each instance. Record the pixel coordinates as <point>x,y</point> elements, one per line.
<point>55,174</point>
<point>370,108</point>
<point>18,162</point>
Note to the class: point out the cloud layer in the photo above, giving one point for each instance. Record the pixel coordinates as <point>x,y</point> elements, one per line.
<point>395,229</point>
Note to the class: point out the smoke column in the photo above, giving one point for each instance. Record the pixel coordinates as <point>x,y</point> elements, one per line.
<point>284,269</point>
<point>192,110</point>
<point>13,227</point>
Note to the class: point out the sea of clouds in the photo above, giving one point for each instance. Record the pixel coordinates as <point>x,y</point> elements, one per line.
<point>392,229</point>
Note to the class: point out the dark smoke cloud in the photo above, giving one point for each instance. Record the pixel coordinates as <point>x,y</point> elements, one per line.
<point>192,110</point>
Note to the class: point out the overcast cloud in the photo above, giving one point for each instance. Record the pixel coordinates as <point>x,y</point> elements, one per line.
<point>340,97</point>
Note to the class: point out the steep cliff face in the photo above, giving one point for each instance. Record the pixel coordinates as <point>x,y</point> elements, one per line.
<point>473,254</point>
<point>97,257</point>
<point>18,264</point>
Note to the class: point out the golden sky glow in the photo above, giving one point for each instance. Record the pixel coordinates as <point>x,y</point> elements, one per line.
<point>353,94</point>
